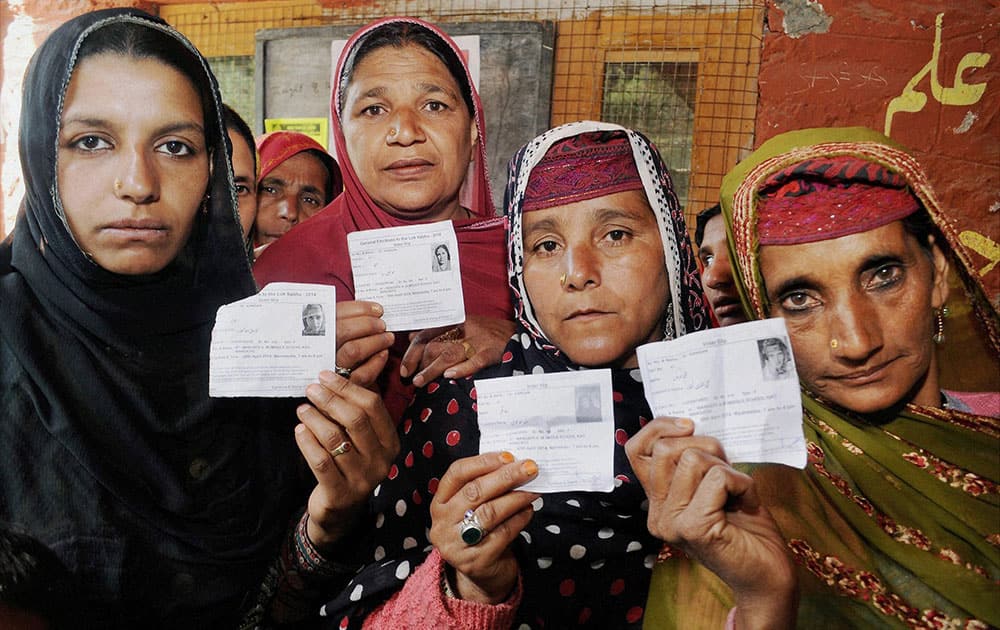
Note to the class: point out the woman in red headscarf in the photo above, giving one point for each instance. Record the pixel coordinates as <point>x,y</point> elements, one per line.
<point>298,178</point>
<point>409,132</point>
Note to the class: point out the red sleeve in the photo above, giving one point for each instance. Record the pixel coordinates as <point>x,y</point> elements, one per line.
<point>422,603</point>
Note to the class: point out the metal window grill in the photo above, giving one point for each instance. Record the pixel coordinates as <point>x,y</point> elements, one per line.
<point>681,71</point>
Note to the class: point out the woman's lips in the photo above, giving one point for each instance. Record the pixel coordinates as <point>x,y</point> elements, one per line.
<point>409,167</point>
<point>586,315</point>
<point>862,377</point>
<point>136,229</point>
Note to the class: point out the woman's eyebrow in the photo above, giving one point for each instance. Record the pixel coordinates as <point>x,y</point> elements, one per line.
<point>796,283</point>
<point>543,225</point>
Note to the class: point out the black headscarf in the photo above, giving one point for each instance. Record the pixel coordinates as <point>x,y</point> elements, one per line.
<point>116,367</point>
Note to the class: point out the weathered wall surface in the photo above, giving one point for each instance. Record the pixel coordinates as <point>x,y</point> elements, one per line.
<point>928,73</point>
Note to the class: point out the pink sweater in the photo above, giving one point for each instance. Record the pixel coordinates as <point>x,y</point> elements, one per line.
<point>421,603</point>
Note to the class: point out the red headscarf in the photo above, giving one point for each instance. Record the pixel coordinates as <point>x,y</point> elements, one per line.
<point>825,198</point>
<point>316,251</point>
<point>277,146</point>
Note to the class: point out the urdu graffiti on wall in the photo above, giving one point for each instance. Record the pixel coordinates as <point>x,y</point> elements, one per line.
<point>911,99</point>
<point>984,246</point>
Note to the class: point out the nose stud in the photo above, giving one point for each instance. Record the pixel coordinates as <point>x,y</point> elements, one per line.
<point>834,344</point>
<point>392,132</point>
<point>118,185</point>
<point>562,280</point>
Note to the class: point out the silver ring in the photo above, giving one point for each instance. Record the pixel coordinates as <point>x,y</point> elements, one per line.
<point>344,372</point>
<point>472,531</point>
<point>343,447</point>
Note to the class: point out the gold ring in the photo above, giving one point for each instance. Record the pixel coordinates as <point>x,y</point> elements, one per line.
<point>469,350</point>
<point>343,447</point>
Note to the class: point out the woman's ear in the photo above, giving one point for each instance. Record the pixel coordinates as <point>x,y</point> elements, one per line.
<point>473,139</point>
<point>940,267</point>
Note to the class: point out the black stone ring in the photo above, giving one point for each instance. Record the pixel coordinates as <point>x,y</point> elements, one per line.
<point>471,529</point>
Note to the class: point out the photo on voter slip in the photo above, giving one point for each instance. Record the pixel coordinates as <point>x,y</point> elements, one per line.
<point>564,421</point>
<point>412,271</point>
<point>275,343</point>
<point>737,384</point>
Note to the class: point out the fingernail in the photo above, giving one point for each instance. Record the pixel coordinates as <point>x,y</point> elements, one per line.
<point>683,423</point>
<point>301,409</point>
<point>529,467</point>
<point>300,428</point>
<point>326,375</point>
<point>449,373</point>
<point>404,371</point>
<point>314,389</point>
<point>418,380</point>
<point>377,309</point>
<point>390,338</point>
<point>506,457</point>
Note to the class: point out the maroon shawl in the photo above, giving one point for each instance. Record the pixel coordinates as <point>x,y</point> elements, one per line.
<point>316,251</point>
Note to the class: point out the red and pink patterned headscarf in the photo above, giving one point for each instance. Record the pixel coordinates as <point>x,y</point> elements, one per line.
<point>829,197</point>
<point>579,168</point>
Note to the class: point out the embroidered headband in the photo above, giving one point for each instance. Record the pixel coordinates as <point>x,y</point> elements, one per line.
<point>582,167</point>
<point>823,199</point>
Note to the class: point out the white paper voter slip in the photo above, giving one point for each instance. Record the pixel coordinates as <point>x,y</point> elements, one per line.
<point>737,384</point>
<point>275,343</point>
<point>564,421</point>
<point>412,271</point>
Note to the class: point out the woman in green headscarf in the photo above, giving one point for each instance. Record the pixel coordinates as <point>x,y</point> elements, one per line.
<point>895,522</point>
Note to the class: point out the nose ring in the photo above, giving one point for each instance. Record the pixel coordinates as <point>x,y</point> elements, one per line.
<point>562,280</point>
<point>834,344</point>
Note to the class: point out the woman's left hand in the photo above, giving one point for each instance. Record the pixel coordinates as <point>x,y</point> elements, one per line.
<point>699,503</point>
<point>456,352</point>
<point>484,486</point>
<point>343,413</point>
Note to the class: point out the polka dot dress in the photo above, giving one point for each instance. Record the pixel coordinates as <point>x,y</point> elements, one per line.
<point>586,558</point>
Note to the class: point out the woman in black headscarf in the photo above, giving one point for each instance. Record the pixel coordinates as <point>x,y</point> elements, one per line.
<point>165,503</point>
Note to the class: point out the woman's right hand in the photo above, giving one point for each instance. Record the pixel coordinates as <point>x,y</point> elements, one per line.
<point>485,572</point>
<point>339,413</point>
<point>699,503</point>
<point>362,341</point>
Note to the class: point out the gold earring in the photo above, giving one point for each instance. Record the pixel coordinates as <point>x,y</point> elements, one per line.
<point>834,344</point>
<point>562,280</point>
<point>939,315</point>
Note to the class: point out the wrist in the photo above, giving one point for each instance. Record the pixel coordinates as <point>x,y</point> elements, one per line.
<point>774,609</point>
<point>461,587</point>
